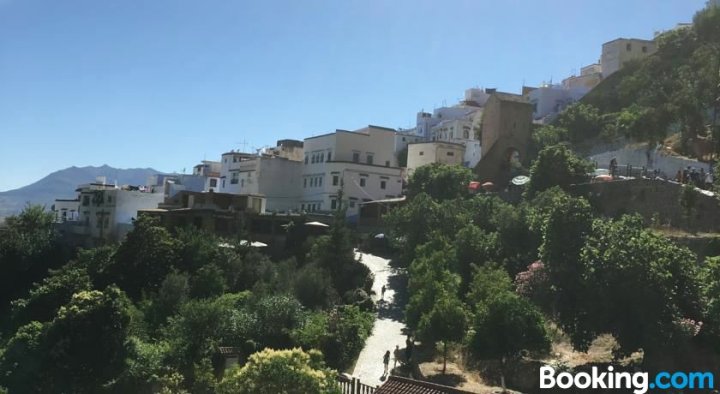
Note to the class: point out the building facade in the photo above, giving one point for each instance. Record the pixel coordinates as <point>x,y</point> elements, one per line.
<point>616,53</point>
<point>506,128</point>
<point>424,153</point>
<point>549,100</point>
<point>590,76</point>
<point>66,210</point>
<point>106,212</point>
<point>276,177</point>
<point>364,163</point>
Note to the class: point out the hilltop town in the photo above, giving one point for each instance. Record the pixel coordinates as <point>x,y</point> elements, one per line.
<point>563,233</point>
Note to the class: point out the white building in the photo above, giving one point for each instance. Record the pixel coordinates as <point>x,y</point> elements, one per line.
<point>210,170</point>
<point>616,53</point>
<point>424,153</point>
<point>107,211</point>
<point>66,210</point>
<point>550,100</point>
<point>275,175</point>
<point>364,162</point>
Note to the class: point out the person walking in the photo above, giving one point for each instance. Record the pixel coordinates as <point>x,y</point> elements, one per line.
<point>396,355</point>
<point>386,361</point>
<point>382,292</point>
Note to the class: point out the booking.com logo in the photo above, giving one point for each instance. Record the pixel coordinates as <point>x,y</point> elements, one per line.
<point>639,382</point>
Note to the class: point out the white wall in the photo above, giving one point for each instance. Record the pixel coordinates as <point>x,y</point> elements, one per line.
<point>638,157</point>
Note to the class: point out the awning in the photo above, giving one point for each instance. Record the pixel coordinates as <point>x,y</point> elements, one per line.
<point>316,224</point>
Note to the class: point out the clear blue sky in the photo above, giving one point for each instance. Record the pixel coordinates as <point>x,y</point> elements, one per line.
<point>166,83</point>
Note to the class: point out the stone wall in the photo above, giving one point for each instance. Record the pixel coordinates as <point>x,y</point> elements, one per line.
<point>651,198</point>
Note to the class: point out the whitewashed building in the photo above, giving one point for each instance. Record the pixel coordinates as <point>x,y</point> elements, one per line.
<point>274,174</point>
<point>66,210</point>
<point>549,100</point>
<point>363,162</point>
<point>107,211</point>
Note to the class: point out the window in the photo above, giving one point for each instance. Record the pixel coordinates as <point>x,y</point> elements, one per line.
<point>628,47</point>
<point>421,153</point>
<point>333,204</point>
<point>306,161</point>
<point>223,184</point>
<point>302,207</point>
<point>403,139</point>
<point>86,201</point>
<point>213,183</point>
<point>312,160</point>
<point>387,163</point>
<point>335,180</point>
<point>356,157</point>
<point>305,183</point>
<point>320,181</point>
<point>234,178</point>
<point>322,157</point>
<point>451,153</point>
<point>109,199</point>
<point>242,183</point>
<point>369,159</point>
<point>362,182</point>
<point>644,49</point>
<point>329,156</point>
<point>383,184</point>
<point>352,204</point>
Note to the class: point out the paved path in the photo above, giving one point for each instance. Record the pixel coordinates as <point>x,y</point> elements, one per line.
<point>388,329</point>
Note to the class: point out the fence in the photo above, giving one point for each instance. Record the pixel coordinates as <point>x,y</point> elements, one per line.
<point>351,385</point>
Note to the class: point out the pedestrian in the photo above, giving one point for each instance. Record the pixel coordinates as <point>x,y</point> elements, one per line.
<point>678,177</point>
<point>386,361</point>
<point>709,180</point>
<point>613,167</point>
<point>382,292</point>
<point>408,349</point>
<point>396,355</point>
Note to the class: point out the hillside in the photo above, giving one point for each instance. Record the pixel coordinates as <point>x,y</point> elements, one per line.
<point>62,184</point>
<point>670,93</point>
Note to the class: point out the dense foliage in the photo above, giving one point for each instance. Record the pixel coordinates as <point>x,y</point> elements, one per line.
<point>150,314</point>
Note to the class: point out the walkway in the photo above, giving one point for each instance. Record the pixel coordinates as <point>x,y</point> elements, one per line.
<point>388,330</point>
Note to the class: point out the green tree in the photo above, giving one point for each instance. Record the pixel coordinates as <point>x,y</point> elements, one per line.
<point>208,282</point>
<point>339,333</point>
<point>28,249</point>
<point>556,166</point>
<point>440,181</point>
<point>634,284</point>
<point>582,122</point>
<point>473,247</point>
<point>489,281</point>
<point>445,322</point>
<point>281,371</point>
<point>506,326</point>
<point>429,278</point>
<point>81,350</point>
<point>144,259</point>
<point>549,135</point>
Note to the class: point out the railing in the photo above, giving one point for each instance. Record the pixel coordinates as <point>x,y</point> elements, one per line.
<point>351,385</point>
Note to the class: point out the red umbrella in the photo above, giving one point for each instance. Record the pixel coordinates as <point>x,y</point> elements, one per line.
<point>474,185</point>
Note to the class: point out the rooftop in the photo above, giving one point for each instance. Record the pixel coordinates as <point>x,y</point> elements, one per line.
<point>400,385</point>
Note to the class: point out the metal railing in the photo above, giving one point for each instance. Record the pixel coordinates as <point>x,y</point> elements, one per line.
<point>352,385</point>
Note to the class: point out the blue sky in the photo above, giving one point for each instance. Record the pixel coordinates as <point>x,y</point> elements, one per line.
<point>166,83</point>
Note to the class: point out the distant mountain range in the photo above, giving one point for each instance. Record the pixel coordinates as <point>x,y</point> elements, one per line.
<point>62,184</point>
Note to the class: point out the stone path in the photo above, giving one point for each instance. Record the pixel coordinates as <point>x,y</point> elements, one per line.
<point>388,330</point>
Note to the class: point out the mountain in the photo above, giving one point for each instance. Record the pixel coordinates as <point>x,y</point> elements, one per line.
<point>62,184</point>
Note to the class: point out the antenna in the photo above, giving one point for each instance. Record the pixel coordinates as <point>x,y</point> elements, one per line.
<point>244,144</point>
